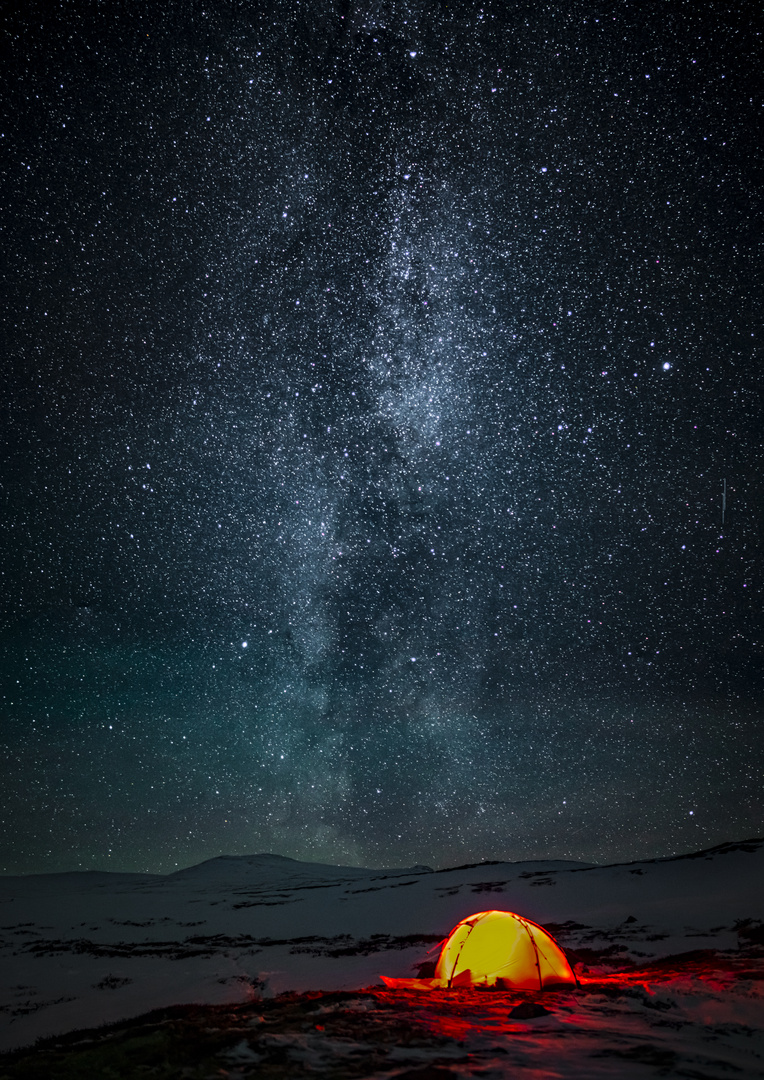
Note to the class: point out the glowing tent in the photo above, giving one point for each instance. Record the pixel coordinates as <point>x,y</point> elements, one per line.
<point>496,948</point>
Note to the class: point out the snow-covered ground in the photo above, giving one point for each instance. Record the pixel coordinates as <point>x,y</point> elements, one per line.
<point>82,949</point>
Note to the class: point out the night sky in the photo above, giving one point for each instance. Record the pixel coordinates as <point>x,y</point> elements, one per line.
<point>372,375</point>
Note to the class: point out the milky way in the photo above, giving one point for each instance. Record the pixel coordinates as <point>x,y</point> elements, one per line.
<point>374,376</point>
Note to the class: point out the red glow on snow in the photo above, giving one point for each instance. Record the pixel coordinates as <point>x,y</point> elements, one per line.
<point>459,1013</point>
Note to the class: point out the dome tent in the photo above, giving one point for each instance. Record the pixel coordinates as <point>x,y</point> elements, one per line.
<point>496,948</point>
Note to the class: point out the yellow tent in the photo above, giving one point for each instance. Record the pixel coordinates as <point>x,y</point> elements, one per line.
<point>496,948</point>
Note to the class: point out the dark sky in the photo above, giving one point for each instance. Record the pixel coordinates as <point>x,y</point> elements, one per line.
<point>372,374</point>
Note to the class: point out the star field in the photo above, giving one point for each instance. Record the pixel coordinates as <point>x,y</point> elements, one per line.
<point>382,432</point>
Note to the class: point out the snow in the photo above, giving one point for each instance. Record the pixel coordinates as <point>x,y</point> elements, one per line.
<point>83,949</point>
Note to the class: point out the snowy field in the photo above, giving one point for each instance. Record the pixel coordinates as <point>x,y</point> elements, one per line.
<point>670,954</point>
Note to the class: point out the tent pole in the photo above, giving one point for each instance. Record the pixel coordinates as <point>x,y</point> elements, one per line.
<point>536,951</point>
<point>456,961</point>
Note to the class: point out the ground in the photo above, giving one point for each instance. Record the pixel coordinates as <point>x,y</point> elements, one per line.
<point>698,1016</point>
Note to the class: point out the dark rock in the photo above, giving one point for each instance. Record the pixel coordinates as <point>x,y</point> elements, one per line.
<point>528,1010</point>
